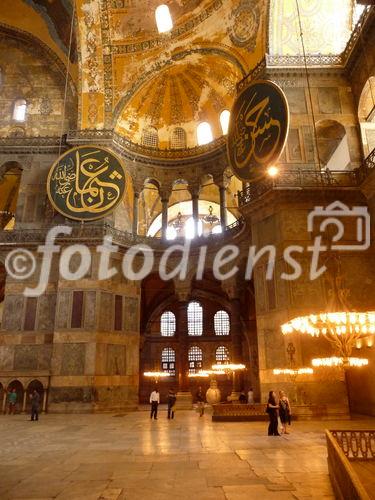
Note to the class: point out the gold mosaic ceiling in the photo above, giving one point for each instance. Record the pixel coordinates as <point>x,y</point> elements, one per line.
<point>129,76</point>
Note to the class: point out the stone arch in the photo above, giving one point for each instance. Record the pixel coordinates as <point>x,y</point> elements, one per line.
<point>333,145</point>
<point>10,180</point>
<point>34,385</point>
<point>366,115</point>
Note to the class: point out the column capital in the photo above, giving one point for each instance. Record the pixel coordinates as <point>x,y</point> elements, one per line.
<point>194,190</point>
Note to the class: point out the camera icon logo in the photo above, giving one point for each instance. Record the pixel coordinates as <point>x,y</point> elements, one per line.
<point>336,214</point>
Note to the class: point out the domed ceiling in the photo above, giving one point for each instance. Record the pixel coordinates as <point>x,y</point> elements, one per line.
<point>194,90</point>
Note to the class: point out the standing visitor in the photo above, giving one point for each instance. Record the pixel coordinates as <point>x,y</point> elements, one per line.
<point>284,411</point>
<point>35,400</point>
<point>200,401</point>
<point>250,397</point>
<point>154,401</point>
<point>171,403</point>
<point>12,401</point>
<point>272,410</point>
<point>242,399</point>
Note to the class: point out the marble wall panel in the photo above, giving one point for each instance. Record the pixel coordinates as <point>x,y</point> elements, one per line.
<point>13,312</point>
<point>90,310</point>
<point>73,359</point>
<point>116,359</point>
<point>6,357</point>
<point>131,309</point>
<point>106,317</point>
<point>63,310</point>
<point>46,312</point>
<point>329,100</point>
<point>296,100</point>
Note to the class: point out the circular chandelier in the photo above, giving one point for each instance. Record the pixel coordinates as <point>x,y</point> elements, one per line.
<point>156,374</point>
<point>340,325</point>
<point>211,218</point>
<point>292,371</point>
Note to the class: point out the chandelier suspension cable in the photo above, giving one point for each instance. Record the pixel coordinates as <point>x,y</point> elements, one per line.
<point>308,83</point>
<point>67,76</point>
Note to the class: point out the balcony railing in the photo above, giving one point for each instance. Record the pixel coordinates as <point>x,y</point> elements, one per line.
<point>356,444</point>
<point>299,179</point>
<point>93,234</point>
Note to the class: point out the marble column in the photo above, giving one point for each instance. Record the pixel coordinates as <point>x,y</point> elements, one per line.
<point>195,202</point>
<point>44,405</point>
<point>4,401</point>
<point>223,207</point>
<point>24,401</point>
<point>135,213</point>
<point>236,332</point>
<point>184,397</point>
<point>164,218</point>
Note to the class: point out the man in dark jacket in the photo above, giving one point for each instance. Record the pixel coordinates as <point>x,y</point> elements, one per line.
<point>35,401</point>
<point>171,402</point>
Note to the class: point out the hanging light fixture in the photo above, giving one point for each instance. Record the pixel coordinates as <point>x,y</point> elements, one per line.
<point>340,325</point>
<point>211,218</point>
<point>292,371</point>
<point>178,224</point>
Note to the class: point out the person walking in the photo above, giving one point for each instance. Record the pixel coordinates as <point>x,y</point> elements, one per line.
<point>171,403</point>
<point>154,401</point>
<point>200,401</point>
<point>284,411</point>
<point>272,410</point>
<point>12,401</point>
<point>35,401</point>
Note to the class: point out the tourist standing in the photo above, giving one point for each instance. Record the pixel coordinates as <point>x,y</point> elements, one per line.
<point>250,397</point>
<point>284,411</point>
<point>35,401</point>
<point>154,401</point>
<point>12,401</point>
<point>272,410</point>
<point>200,401</point>
<point>171,403</point>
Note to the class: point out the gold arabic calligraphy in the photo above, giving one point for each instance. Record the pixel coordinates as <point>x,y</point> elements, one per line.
<point>256,133</point>
<point>86,182</point>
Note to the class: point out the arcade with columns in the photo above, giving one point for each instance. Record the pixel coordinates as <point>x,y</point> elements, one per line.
<point>158,96</point>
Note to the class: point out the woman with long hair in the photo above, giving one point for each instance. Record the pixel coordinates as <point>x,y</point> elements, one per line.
<point>272,410</point>
<point>284,411</point>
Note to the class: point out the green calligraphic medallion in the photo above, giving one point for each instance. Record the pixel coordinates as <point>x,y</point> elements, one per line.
<point>258,129</point>
<point>86,183</point>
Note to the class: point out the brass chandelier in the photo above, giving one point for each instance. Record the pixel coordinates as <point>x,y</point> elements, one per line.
<point>340,325</point>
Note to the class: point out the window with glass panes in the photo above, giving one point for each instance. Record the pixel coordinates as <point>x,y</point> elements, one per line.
<point>195,359</point>
<point>168,360</point>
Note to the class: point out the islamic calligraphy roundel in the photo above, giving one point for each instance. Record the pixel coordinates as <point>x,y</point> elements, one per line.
<point>258,129</point>
<point>86,183</point>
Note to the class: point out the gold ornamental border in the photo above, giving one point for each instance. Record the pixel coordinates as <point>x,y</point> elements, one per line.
<point>286,104</point>
<point>57,209</point>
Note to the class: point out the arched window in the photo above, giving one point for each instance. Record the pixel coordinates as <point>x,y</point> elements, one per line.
<point>204,133</point>
<point>163,18</point>
<point>178,138</point>
<point>195,359</point>
<point>19,110</point>
<point>222,355</point>
<point>224,121</point>
<point>168,360</point>
<point>195,319</point>
<point>221,323</point>
<point>150,138</point>
<point>168,324</point>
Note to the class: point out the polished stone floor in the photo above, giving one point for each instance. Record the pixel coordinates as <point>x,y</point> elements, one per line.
<point>130,457</point>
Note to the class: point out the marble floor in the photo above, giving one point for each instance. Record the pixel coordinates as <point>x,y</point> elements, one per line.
<point>112,457</point>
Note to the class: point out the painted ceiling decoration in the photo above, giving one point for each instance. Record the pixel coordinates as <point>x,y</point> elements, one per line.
<point>327,26</point>
<point>58,17</point>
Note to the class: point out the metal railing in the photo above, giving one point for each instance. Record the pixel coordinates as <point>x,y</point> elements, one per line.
<point>356,444</point>
<point>94,234</point>
<point>299,179</point>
